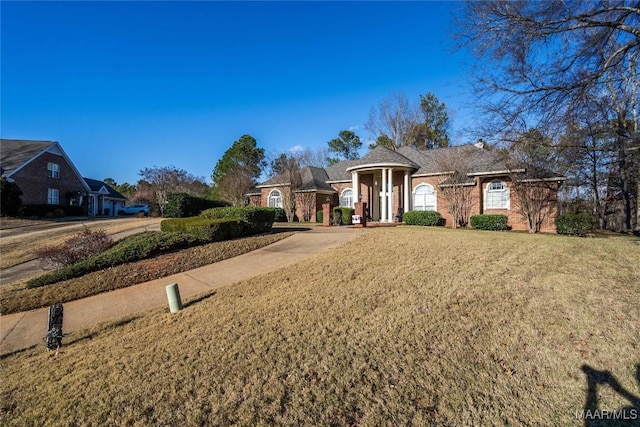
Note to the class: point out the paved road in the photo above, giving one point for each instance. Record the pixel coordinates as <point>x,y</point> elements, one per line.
<point>25,330</point>
<point>33,268</point>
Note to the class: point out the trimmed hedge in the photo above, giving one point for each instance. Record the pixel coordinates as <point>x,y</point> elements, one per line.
<point>130,249</point>
<point>211,230</point>
<point>345,214</point>
<point>319,216</point>
<point>51,211</point>
<point>280,215</point>
<point>489,222</point>
<point>428,218</point>
<point>257,219</point>
<point>575,224</point>
<point>182,205</point>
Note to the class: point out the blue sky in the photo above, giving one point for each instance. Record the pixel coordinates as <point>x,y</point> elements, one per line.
<point>128,85</point>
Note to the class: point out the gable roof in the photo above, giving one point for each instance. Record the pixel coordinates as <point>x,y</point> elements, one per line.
<point>101,187</point>
<point>313,178</point>
<point>15,154</point>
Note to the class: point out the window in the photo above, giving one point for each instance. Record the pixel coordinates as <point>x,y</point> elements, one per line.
<point>53,170</point>
<point>424,198</point>
<point>346,198</point>
<point>496,196</point>
<point>53,196</point>
<point>275,199</point>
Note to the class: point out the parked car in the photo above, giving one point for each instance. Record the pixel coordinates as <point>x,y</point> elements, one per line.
<point>134,209</point>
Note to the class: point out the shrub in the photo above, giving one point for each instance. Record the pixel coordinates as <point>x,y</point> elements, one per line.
<point>182,205</point>
<point>489,222</point>
<point>280,215</point>
<point>212,230</point>
<point>257,219</point>
<point>130,249</point>
<point>428,218</point>
<point>575,224</point>
<point>10,198</point>
<point>319,216</point>
<point>81,246</point>
<point>344,214</point>
<point>48,210</point>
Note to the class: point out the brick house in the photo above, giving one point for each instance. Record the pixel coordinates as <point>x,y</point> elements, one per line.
<point>103,199</point>
<point>46,175</point>
<point>391,182</point>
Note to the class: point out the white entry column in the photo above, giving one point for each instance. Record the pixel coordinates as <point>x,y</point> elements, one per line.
<point>390,201</point>
<point>355,185</point>
<point>407,201</point>
<point>383,197</point>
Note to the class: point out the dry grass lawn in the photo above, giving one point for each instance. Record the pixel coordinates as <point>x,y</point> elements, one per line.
<point>403,326</point>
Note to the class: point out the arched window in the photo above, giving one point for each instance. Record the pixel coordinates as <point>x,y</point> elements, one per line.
<point>275,199</point>
<point>346,198</point>
<point>424,198</point>
<point>496,196</point>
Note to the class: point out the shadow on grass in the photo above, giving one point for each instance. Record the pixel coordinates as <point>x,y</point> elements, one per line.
<point>101,329</point>
<point>593,416</point>
<point>198,299</point>
<point>22,350</point>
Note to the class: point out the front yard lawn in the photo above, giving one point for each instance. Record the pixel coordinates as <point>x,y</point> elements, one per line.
<point>402,326</point>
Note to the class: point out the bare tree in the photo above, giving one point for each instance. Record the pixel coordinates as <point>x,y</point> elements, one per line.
<point>457,187</point>
<point>288,172</point>
<point>530,162</point>
<point>306,202</point>
<point>393,122</point>
<point>590,53</point>
<point>167,180</point>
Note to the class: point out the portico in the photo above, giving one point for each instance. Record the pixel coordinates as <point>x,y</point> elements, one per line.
<point>384,187</point>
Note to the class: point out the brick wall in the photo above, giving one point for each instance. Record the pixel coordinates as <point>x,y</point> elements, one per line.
<point>34,181</point>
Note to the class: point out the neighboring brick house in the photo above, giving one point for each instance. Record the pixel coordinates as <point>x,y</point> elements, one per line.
<point>391,182</point>
<point>46,175</point>
<point>103,199</point>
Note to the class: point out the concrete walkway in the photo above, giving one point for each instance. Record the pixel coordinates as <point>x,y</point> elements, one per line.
<point>25,330</point>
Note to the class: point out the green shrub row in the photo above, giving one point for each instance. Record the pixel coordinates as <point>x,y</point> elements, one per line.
<point>489,222</point>
<point>256,219</point>
<point>211,230</point>
<point>575,224</point>
<point>130,249</point>
<point>429,218</point>
<point>344,214</point>
<point>50,211</point>
<point>182,205</point>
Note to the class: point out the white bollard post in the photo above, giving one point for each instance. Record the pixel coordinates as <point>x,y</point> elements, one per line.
<point>173,295</point>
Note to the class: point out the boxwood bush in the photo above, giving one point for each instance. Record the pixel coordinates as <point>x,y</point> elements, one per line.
<point>496,222</point>
<point>130,249</point>
<point>182,205</point>
<point>345,214</point>
<point>257,219</point>
<point>211,230</point>
<point>280,216</point>
<point>319,216</point>
<point>428,218</point>
<point>575,224</point>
